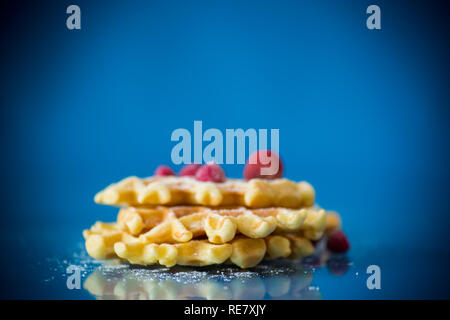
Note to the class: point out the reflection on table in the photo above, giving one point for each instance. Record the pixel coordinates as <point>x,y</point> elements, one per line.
<point>277,279</point>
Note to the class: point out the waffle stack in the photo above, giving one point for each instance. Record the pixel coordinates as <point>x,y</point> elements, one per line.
<point>171,220</point>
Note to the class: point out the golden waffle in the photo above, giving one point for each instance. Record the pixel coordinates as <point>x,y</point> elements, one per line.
<point>255,193</point>
<point>243,252</point>
<point>100,239</point>
<point>108,240</point>
<point>181,224</point>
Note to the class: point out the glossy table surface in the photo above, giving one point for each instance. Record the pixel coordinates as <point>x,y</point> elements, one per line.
<point>36,267</point>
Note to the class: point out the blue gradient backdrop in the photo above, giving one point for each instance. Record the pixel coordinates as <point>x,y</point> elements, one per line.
<point>363,115</point>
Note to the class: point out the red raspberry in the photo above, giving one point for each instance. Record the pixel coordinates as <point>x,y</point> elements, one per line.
<point>164,171</point>
<point>210,172</point>
<point>338,242</point>
<point>189,170</point>
<point>262,159</point>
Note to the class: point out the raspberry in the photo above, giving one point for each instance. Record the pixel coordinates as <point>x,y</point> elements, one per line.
<point>262,159</point>
<point>189,170</point>
<point>338,242</point>
<point>210,172</point>
<point>164,171</point>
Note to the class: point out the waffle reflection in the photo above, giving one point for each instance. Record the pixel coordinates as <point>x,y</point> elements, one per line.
<point>270,280</point>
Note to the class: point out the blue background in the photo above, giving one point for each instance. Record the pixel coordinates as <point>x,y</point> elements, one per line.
<point>363,114</point>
